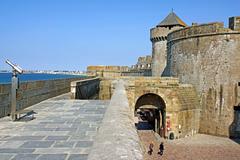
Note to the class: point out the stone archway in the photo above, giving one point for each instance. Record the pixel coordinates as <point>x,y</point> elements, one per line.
<point>152,108</point>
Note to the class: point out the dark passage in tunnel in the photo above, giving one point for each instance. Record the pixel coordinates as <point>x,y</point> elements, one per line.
<point>151,112</point>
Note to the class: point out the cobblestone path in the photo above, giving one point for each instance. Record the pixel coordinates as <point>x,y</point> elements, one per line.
<point>198,147</point>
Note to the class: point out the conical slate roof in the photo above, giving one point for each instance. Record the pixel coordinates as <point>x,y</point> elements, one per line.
<point>172,20</point>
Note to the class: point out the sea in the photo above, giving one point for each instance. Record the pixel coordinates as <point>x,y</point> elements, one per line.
<point>6,77</point>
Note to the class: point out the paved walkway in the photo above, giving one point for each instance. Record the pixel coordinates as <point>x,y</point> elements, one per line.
<point>198,147</point>
<point>62,130</point>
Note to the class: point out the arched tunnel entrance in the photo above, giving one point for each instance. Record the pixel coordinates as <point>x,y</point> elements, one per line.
<point>151,112</point>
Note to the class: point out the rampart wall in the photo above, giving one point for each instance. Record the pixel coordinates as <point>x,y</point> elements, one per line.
<point>208,57</point>
<point>182,104</point>
<point>30,93</point>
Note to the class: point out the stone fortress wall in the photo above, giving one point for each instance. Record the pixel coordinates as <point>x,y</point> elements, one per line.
<point>143,67</point>
<point>106,71</point>
<point>182,104</point>
<point>208,57</point>
<point>144,62</point>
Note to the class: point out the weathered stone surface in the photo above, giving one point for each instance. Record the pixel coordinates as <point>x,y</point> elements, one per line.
<point>106,71</point>
<point>181,101</point>
<point>117,137</point>
<point>208,56</point>
<point>158,36</point>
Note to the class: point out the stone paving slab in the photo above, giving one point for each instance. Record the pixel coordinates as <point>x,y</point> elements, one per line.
<point>61,130</point>
<point>78,157</point>
<point>16,150</point>
<point>52,157</point>
<point>26,156</point>
<point>6,156</point>
<point>84,144</point>
<point>64,144</point>
<point>37,144</point>
<point>11,144</point>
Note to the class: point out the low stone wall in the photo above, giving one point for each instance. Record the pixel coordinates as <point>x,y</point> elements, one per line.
<point>30,93</point>
<point>140,73</point>
<point>117,137</point>
<point>5,99</point>
<point>85,89</point>
<point>105,92</point>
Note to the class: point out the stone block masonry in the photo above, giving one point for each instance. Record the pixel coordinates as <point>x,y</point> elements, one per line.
<point>181,100</point>
<point>33,92</point>
<point>207,56</point>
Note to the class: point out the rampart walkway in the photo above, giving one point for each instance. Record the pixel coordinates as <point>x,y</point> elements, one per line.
<point>62,130</point>
<point>65,129</point>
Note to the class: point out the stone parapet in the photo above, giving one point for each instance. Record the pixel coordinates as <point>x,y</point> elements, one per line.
<point>136,73</point>
<point>30,93</point>
<point>159,34</point>
<point>210,29</point>
<point>117,137</point>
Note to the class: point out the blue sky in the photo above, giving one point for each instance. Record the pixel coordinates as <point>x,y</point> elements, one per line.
<point>72,34</point>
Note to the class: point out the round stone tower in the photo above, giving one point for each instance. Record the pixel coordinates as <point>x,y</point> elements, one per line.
<point>158,36</point>
<point>207,56</point>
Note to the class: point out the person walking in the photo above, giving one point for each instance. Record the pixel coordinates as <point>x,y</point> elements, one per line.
<point>150,149</point>
<point>161,148</point>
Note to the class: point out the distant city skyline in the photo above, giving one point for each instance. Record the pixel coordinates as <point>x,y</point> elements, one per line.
<point>72,34</point>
